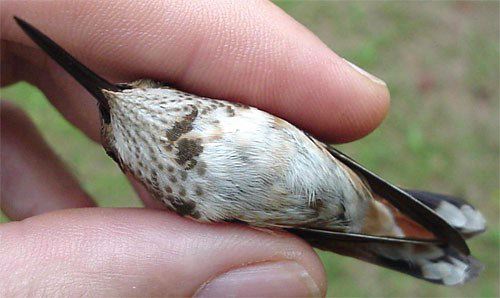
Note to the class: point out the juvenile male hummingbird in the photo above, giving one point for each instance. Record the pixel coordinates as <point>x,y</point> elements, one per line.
<point>214,160</point>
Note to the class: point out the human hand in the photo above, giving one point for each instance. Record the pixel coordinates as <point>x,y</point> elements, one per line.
<point>252,52</point>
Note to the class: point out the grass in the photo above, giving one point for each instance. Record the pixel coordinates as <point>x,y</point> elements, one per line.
<point>441,62</point>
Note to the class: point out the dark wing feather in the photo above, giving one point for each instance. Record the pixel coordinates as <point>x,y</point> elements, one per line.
<point>407,204</point>
<point>326,235</point>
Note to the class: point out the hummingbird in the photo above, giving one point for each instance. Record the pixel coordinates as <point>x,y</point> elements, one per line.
<point>218,161</point>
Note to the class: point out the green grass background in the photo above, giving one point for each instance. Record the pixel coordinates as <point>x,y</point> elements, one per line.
<point>441,62</point>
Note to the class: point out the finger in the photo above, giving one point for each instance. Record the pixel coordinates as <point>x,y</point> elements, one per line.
<point>251,52</point>
<point>144,194</point>
<point>141,252</point>
<point>33,179</point>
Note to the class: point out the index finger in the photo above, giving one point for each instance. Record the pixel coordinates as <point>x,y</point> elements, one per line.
<point>251,52</point>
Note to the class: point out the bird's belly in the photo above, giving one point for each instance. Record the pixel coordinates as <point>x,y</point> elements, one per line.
<point>238,164</point>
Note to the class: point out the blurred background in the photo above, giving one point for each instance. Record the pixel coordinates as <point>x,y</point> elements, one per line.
<point>441,63</point>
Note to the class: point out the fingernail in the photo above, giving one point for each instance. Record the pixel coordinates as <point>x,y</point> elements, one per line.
<point>366,74</point>
<point>276,279</point>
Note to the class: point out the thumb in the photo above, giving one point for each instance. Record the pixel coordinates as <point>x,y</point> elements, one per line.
<point>138,252</point>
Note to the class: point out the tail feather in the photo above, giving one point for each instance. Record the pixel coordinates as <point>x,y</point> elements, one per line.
<point>457,212</point>
<point>391,239</point>
<point>436,263</point>
<point>430,230</point>
<point>439,264</point>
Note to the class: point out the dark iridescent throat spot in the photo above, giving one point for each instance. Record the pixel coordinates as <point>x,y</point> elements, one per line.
<point>182,127</point>
<point>188,150</point>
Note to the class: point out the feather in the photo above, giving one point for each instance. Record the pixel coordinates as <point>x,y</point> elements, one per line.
<point>407,204</point>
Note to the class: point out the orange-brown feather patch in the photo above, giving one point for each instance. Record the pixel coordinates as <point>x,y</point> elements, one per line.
<point>410,228</point>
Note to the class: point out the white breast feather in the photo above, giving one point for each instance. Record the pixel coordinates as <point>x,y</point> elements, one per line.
<point>267,168</point>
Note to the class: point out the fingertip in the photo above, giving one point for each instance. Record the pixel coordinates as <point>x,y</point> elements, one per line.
<point>343,104</point>
<point>368,104</point>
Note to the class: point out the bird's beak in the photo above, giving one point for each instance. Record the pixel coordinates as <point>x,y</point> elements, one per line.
<point>86,77</point>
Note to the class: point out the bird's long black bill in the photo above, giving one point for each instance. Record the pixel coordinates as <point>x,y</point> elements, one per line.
<point>86,77</point>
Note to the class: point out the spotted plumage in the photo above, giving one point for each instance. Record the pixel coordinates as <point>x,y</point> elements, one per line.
<point>213,160</point>
<point>222,166</point>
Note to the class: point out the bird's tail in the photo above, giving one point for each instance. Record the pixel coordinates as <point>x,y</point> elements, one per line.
<point>415,251</point>
<point>456,212</point>
<point>441,264</point>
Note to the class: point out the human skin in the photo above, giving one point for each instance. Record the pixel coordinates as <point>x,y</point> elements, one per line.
<point>61,244</point>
